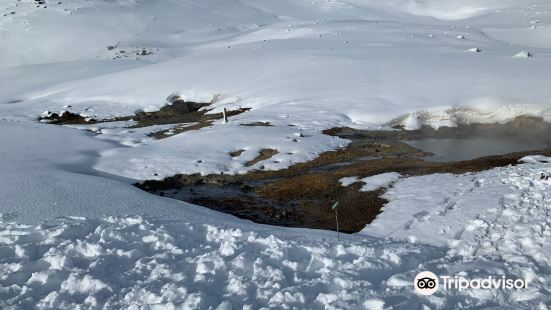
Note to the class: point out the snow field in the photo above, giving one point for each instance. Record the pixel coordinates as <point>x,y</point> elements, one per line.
<point>309,64</point>
<point>74,233</point>
<point>134,262</point>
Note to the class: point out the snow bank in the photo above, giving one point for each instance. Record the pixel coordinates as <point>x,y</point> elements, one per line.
<point>494,212</point>
<point>208,151</point>
<point>47,172</point>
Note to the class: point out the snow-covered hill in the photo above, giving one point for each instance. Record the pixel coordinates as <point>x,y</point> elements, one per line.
<point>73,231</point>
<point>313,64</point>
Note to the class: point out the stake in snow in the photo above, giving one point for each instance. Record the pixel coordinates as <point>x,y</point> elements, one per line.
<point>334,207</point>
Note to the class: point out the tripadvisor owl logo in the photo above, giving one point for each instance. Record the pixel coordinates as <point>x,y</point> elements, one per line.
<point>426,283</point>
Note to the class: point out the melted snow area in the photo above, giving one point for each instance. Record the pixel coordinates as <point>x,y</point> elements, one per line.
<point>74,232</point>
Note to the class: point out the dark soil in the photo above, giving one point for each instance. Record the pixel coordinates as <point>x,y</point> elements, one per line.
<point>236,153</point>
<point>67,118</point>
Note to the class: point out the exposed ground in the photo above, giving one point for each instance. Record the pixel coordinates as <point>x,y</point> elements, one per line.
<point>301,195</point>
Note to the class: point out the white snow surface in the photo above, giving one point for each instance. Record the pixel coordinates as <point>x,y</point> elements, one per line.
<point>374,182</point>
<point>75,233</point>
<point>47,173</point>
<point>492,212</point>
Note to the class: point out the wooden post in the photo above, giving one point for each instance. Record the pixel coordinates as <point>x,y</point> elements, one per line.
<point>225,116</point>
<point>334,207</point>
<point>337,218</point>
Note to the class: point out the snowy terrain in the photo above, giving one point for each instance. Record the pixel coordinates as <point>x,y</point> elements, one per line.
<point>133,261</point>
<point>75,232</point>
<point>312,64</point>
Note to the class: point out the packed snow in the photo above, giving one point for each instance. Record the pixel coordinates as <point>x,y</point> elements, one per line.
<point>74,232</point>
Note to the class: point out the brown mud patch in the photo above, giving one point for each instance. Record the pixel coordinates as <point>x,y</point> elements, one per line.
<point>301,195</point>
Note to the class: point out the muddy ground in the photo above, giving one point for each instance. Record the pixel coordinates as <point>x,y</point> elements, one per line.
<point>301,195</point>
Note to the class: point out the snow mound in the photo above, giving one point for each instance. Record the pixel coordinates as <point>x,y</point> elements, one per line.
<point>348,181</point>
<point>207,151</point>
<point>475,50</point>
<point>523,54</point>
<point>534,159</point>
<point>486,110</point>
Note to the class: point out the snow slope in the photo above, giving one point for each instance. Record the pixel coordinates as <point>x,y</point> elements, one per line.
<point>74,232</point>
<point>47,173</point>
<point>136,261</point>
<point>316,64</point>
